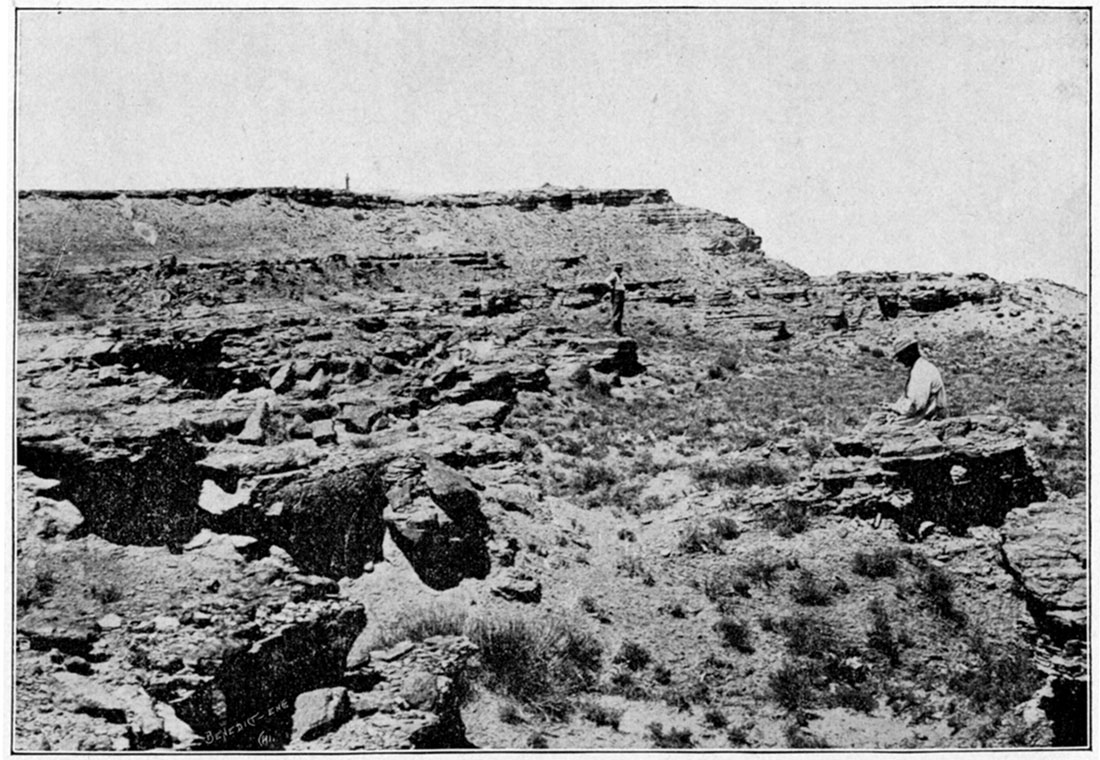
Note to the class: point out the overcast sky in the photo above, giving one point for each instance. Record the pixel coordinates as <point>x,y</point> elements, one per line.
<point>949,140</point>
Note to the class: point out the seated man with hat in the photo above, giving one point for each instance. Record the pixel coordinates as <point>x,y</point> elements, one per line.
<point>925,398</point>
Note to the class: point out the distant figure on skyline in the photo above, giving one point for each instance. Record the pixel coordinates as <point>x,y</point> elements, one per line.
<point>925,397</point>
<point>617,288</point>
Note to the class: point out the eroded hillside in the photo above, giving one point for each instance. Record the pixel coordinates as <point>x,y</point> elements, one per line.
<point>328,471</point>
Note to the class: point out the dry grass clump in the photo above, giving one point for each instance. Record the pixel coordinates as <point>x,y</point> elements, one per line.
<point>811,591</point>
<point>881,638</point>
<point>762,569</point>
<point>35,582</point>
<point>675,738</point>
<point>542,662</point>
<point>786,519</point>
<point>735,634</point>
<point>879,563</point>
<point>633,655</point>
<point>741,474</point>
<point>601,715</point>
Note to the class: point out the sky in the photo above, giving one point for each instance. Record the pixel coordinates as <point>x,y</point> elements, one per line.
<point>932,140</point>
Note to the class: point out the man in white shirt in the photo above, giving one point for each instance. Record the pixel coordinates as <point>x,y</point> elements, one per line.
<point>925,397</point>
<point>617,287</point>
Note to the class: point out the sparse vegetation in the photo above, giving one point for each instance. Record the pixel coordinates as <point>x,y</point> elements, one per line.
<point>740,474</point>
<point>1000,676</point>
<point>936,587</point>
<point>593,475</point>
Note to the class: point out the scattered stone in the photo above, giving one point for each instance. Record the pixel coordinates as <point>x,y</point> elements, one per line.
<point>284,378</point>
<point>109,376</point>
<point>319,711</point>
<point>166,623</point>
<point>109,622</point>
<point>323,432</point>
<point>396,652</point>
<point>518,587</point>
<point>419,690</point>
<point>358,418</point>
<point>90,698</point>
<point>77,665</point>
<point>257,426</point>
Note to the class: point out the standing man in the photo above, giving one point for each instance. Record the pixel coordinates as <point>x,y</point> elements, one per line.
<point>925,398</point>
<point>618,298</point>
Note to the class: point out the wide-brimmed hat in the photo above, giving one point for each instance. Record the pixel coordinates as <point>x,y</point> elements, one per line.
<point>903,343</point>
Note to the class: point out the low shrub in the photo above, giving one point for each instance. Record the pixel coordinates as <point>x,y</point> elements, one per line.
<point>105,592</point>
<point>738,735</point>
<point>728,361</point>
<point>662,674</point>
<point>761,569</point>
<point>509,713</point>
<point>856,698</point>
<point>539,662</point>
<point>735,634</point>
<point>631,566</point>
<point>725,528</point>
<point>937,587</point>
<point>676,738</point>
<point>593,475</point>
<point>715,718</point>
<point>810,591</point>
<point>633,655</point>
<point>683,696</point>
<point>881,636</point>
<point>810,636</point>
<point>880,563</point>
<point>725,582</point>
<point>794,684</point>
<point>697,539</point>
<point>601,715</point>
<point>786,519</point>
<point>35,583</point>
<point>799,738</point>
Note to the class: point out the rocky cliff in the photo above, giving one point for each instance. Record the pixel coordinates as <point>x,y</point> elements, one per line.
<point>260,428</point>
